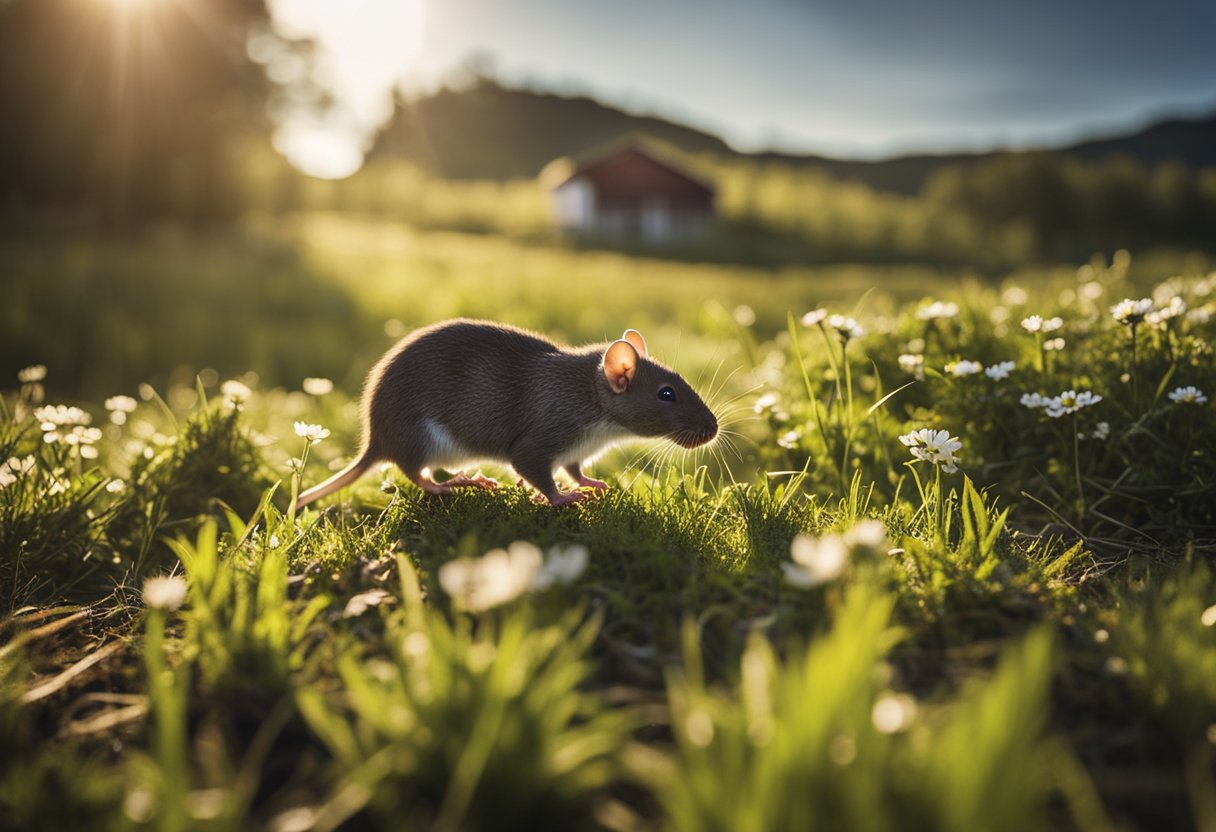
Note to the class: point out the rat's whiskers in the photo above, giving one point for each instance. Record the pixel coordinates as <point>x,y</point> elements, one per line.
<point>728,443</point>
<point>741,394</point>
<point>715,390</point>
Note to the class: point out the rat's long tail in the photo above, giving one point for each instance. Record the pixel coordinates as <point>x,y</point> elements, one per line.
<point>339,480</point>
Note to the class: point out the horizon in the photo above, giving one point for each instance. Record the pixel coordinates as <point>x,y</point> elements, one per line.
<point>1096,131</point>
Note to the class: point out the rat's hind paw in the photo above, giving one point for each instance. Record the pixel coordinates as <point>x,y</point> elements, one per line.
<point>478,480</point>
<point>568,497</point>
<point>588,482</point>
<point>423,480</point>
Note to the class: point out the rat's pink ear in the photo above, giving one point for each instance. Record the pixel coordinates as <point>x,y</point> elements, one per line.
<point>620,363</point>
<point>634,337</point>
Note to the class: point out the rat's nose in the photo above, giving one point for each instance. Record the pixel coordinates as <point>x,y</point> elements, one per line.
<point>696,435</point>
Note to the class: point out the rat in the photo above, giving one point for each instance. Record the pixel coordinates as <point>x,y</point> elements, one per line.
<point>465,390</point>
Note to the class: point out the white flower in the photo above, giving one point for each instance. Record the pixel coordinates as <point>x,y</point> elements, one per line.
<point>845,327</point>
<point>1101,431</point>
<point>1036,323</point>
<point>766,402</point>
<point>789,439</point>
<point>815,316</point>
<point>19,465</point>
<point>1053,344</point>
<point>819,560</point>
<point>313,433</point>
<point>500,576</point>
<point>936,310</point>
<point>14,469</point>
<point>80,435</point>
<point>119,407</point>
<point>116,486</point>
<point>56,416</point>
<point>234,392</point>
<point>1200,315</point>
<point>1188,395</point>
<point>935,446</point>
<point>68,425</point>
<point>914,364</point>
<point>124,404</point>
<point>165,592</point>
<point>816,560</point>
<point>1166,313</point>
<point>32,374</point>
<point>866,534</point>
<point>998,372</point>
<point>318,386</point>
<point>1070,401</point>
<point>1087,398</point>
<point>563,565</point>
<point>1131,312</point>
<point>893,712</point>
<point>958,369</point>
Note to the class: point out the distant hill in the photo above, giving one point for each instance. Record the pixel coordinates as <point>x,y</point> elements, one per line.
<point>489,131</point>
<point>493,132</point>
<point>1189,141</point>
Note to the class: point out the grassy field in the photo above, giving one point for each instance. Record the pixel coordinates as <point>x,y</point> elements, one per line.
<point>321,294</point>
<point>828,620</point>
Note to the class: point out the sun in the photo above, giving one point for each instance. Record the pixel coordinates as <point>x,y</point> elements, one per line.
<point>367,47</point>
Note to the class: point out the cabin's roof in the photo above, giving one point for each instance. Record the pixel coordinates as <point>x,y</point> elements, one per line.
<point>632,163</point>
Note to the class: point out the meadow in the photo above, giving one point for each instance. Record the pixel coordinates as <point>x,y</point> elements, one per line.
<point>322,294</point>
<point>947,568</point>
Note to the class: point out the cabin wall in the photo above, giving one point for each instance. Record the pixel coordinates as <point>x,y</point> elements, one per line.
<point>574,204</point>
<point>655,219</point>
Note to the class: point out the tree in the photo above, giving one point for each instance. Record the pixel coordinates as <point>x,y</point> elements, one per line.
<point>129,109</point>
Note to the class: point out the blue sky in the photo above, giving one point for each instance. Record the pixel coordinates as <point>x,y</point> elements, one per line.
<point>858,78</point>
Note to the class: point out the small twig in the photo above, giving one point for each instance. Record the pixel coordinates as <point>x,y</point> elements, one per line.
<point>105,721</point>
<point>65,678</point>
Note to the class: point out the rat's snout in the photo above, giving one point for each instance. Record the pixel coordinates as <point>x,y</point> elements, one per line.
<point>704,432</point>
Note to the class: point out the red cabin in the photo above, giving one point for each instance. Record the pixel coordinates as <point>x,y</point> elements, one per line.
<point>629,191</point>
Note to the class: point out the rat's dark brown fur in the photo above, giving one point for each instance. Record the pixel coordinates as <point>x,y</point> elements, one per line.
<point>464,390</point>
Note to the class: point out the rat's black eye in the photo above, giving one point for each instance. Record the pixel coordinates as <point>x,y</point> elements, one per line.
<point>667,394</point>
